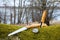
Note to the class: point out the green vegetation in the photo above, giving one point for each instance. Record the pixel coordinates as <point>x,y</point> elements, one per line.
<point>46,33</point>
<point>6,29</point>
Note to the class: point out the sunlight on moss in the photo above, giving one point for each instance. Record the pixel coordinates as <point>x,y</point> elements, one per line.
<point>46,33</point>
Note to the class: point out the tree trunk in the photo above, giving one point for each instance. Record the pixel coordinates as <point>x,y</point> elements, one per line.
<point>14,13</point>
<point>45,18</point>
<point>27,16</point>
<point>18,16</point>
<point>11,18</point>
<point>0,19</point>
<point>19,11</point>
<point>5,15</point>
<point>33,16</point>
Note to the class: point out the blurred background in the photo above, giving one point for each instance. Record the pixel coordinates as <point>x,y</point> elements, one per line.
<point>28,11</point>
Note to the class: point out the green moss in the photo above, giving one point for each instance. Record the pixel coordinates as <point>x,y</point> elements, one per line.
<point>46,33</point>
<point>6,29</point>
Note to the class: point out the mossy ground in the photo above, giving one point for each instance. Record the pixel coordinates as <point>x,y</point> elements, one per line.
<point>46,33</point>
<point>5,29</point>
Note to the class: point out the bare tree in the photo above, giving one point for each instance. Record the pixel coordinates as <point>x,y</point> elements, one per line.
<point>5,15</point>
<point>0,17</point>
<point>18,16</point>
<point>27,16</point>
<point>10,16</point>
<point>14,13</point>
<point>32,12</point>
<point>19,11</point>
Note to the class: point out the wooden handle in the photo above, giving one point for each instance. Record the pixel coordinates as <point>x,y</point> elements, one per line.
<point>33,25</point>
<point>44,16</point>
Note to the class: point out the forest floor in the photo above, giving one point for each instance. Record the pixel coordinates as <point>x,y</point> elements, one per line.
<point>45,33</point>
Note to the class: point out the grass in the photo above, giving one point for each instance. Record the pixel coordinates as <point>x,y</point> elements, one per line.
<point>46,33</point>
<point>6,29</point>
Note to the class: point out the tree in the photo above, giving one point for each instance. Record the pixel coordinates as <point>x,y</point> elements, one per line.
<point>14,13</point>
<point>19,11</point>
<point>32,12</point>
<point>11,18</point>
<point>5,15</point>
<point>0,17</point>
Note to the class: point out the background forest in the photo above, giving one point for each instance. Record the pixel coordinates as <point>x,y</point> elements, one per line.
<point>27,11</point>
